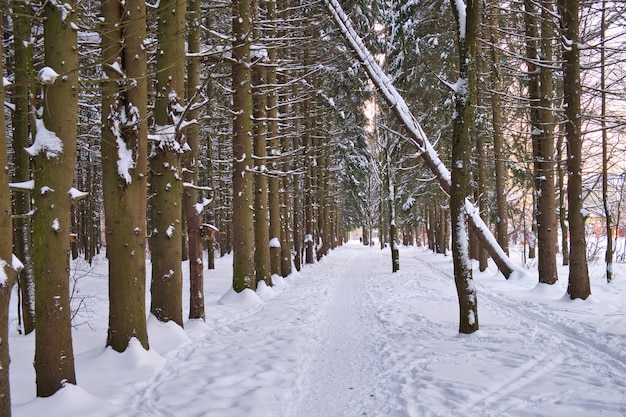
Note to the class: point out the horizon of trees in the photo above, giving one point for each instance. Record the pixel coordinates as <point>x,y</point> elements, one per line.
<point>162,130</point>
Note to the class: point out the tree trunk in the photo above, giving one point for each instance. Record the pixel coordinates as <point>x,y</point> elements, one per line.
<point>309,197</point>
<point>6,262</point>
<point>542,133</point>
<point>502,221</point>
<point>578,286</point>
<point>261,212</point>
<point>561,167</point>
<point>23,89</point>
<point>166,187</point>
<point>242,199</point>
<point>287,231</point>
<point>608,254</point>
<point>468,310</point>
<point>193,216</point>
<point>53,173</point>
<point>275,193</point>
<point>125,93</point>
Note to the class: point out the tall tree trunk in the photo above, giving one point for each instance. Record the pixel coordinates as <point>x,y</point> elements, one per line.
<point>502,221</point>
<point>166,187</point>
<point>542,133</point>
<point>23,90</point>
<point>309,197</point>
<point>561,167</point>
<point>54,173</point>
<point>242,199</point>
<point>578,286</point>
<point>124,168</point>
<point>287,230</point>
<point>275,193</point>
<point>261,212</point>
<point>608,254</point>
<point>298,238</point>
<point>468,18</point>
<point>193,216</point>
<point>7,271</point>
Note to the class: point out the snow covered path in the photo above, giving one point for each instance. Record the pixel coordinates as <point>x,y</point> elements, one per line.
<point>345,338</point>
<point>345,372</point>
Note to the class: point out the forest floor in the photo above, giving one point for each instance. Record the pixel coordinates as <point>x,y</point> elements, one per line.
<point>345,337</point>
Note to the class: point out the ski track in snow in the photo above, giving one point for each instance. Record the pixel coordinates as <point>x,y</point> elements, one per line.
<point>347,338</point>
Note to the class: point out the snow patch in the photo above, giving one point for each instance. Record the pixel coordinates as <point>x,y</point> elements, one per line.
<point>47,76</point>
<point>46,142</point>
<point>274,242</point>
<point>245,299</point>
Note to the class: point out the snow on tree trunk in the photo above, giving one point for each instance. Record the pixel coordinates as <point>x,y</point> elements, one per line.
<point>23,89</point>
<point>468,310</point>
<point>124,134</point>
<point>54,158</point>
<point>166,185</point>
<point>193,217</point>
<point>8,274</point>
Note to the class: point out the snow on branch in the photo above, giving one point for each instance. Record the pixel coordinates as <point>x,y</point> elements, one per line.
<point>417,136</point>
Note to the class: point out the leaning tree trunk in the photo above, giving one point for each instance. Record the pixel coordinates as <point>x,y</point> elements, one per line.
<point>578,286</point>
<point>124,168</point>
<point>54,158</point>
<point>416,134</point>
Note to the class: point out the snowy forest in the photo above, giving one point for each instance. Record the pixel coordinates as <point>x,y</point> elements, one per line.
<point>157,132</point>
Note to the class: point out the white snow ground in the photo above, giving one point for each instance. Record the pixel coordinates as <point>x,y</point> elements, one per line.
<point>346,337</point>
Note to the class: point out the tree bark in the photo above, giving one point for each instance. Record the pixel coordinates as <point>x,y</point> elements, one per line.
<point>193,217</point>
<point>23,90</point>
<point>502,222</point>
<point>166,186</point>
<point>125,97</point>
<point>6,262</point>
<point>243,199</point>
<point>578,285</point>
<point>53,173</point>
<point>261,212</point>
<point>275,193</point>
<point>468,308</point>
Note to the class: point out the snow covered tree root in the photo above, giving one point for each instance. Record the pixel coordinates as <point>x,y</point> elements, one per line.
<point>416,134</point>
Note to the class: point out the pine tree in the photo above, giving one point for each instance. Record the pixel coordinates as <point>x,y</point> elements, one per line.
<point>242,200</point>
<point>468,18</point>
<point>166,185</point>
<point>124,168</point>
<point>578,285</point>
<point>8,274</point>
<point>54,157</point>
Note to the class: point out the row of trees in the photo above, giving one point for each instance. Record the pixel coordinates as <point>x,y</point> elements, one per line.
<point>184,131</point>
